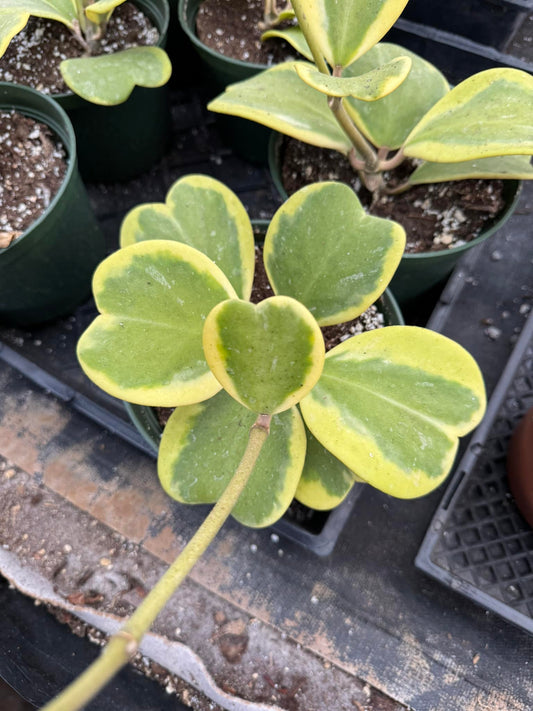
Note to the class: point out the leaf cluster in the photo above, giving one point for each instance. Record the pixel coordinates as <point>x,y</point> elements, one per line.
<point>106,79</point>
<point>176,329</point>
<point>378,103</point>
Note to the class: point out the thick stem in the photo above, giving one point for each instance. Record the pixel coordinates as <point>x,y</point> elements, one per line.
<point>270,14</point>
<point>359,142</point>
<point>124,644</point>
<point>361,145</point>
<point>396,160</point>
<point>92,31</point>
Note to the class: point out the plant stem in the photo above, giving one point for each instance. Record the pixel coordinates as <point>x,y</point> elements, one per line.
<point>361,145</point>
<point>359,142</point>
<point>124,644</point>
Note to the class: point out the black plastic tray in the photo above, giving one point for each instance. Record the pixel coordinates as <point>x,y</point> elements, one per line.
<point>490,22</point>
<point>478,543</point>
<point>457,57</point>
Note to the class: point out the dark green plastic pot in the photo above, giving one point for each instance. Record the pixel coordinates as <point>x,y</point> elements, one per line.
<point>47,271</point>
<point>417,273</point>
<point>249,140</point>
<point>117,143</point>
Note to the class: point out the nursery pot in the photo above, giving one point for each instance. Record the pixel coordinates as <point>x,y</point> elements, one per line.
<point>117,143</point>
<point>416,273</point>
<point>47,271</point>
<point>248,139</point>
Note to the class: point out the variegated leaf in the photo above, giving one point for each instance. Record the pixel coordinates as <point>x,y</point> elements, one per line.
<point>101,9</point>
<point>343,30</point>
<point>11,23</point>
<point>64,11</point>
<point>388,121</point>
<point>292,35</point>
<point>146,346</point>
<point>504,167</point>
<point>391,404</point>
<point>370,86</point>
<point>202,446</point>
<point>279,99</point>
<point>267,355</point>
<point>322,249</point>
<point>325,481</point>
<point>109,79</point>
<point>203,213</point>
<point>488,114</point>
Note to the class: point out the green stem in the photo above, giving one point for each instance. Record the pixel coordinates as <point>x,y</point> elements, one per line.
<point>361,145</point>
<point>124,644</point>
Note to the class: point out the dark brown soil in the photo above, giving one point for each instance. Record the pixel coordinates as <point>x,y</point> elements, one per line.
<point>435,217</point>
<point>33,165</point>
<point>232,28</point>
<point>34,55</point>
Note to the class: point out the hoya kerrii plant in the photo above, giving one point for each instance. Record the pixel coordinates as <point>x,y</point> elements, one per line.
<point>106,79</point>
<point>257,400</point>
<point>380,104</point>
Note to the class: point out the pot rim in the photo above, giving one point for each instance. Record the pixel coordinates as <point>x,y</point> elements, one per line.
<point>42,108</point>
<point>184,16</point>
<point>512,188</point>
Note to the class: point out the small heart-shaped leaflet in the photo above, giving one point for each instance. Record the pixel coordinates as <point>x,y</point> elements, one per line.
<point>345,29</point>
<point>373,85</point>
<point>267,356</point>
<point>109,79</point>
<point>203,213</point>
<point>322,249</point>
<point>391,404</point>
<point>146,346</point>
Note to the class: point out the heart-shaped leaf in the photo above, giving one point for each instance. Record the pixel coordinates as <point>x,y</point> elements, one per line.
<point>63,11</point>
<point>109,79</point>
<point>292,35</point>
<point>388,121</point>
<point>343,30</point>
<point>391,403</point>
<point>370,86</point>
<point>146,346</point>
<point>325,481</point>
<point>505,167</point>
<point>101,9</point>
<point>11,23</point>
<point>267,355</point>
<point>279,99</point>
<point>322,249</point>
<point>202,446</point>
<point>203,213</point>
<point>488,114</point>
